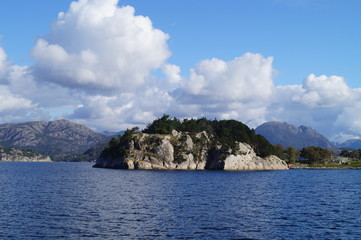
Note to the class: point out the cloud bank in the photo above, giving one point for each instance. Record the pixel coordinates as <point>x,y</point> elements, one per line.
<point>104,66</point>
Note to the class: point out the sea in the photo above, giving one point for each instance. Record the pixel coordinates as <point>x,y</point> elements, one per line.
<point>76,201</point>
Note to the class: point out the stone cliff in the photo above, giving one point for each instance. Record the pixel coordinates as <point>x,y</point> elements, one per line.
<point>183,151</point>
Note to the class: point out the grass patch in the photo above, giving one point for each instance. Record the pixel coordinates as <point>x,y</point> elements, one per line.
<point>351,164</point>
<point>355,164</point>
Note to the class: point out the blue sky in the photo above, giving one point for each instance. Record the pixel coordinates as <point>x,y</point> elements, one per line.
<point>288,41</point>
<point>320,37</point>
<point>304,36</point>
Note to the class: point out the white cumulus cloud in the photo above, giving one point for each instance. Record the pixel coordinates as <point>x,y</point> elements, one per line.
<point>15,108</point>
<point>239,89</point>
<point>122,111</point>
<point>349,120</point>
<point>172,73</point>
<point>324,91</point>
<point>245,77</point>
<point>3,65</point>
<point>11,102</point>
<point>97,46</point>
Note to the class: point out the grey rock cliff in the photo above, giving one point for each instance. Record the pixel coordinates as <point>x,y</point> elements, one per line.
<point>182,151</point>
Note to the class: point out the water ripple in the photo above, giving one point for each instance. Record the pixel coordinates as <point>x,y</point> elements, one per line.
<point>75,201</point>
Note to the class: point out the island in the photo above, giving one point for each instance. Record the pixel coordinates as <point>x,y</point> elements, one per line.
<point>11,154</point>
<point>192,144</point>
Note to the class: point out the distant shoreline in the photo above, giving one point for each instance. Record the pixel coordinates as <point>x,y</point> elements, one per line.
<point>325,168</point>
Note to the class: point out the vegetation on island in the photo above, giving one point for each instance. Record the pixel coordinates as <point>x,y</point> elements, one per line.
<point>225,134</point>
<point>349,165</point>
<point>118,146</point>
<point>317,157</point>
<point>353,154</point>
<point>307,155</point>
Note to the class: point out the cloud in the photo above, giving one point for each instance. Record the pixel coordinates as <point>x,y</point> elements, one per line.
<point>12,102</point>
<point>216,79</point>
<point>97,59</point>
<point>172,73</point>
<point>96,62</point>
<point>239,89</point>
<point>343,137</point>
<point>324,91</point>
<point>3,65</point>
<point>325,103</point>
<point>349,120</point>
<point>119,112</point>
<point>97,46</point>
<point>14,108</point>
<point>20,81</point>
<point>23,99</point>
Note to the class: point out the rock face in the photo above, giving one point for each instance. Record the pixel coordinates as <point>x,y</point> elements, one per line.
<point>182,151</point>
<point>54,138</point>
<point>292,136</point>
<point>20,155</point>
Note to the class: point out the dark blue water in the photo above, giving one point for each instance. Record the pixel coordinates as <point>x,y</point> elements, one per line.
<point>75,201</point>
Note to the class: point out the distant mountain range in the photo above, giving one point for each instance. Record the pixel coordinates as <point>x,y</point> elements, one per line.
<point>350,144</point>
<point>54,138</point>
<point>64,140</point>
<point>107,133</point>
<point>291,135</point>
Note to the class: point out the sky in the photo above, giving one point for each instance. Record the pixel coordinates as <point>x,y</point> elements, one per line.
<point>112,65</point>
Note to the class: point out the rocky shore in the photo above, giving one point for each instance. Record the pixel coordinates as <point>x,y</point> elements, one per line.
<point>184,151</point>
<point>19,155</point>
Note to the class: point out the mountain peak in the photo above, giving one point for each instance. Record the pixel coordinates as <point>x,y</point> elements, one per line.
<point>53,138</point>
<point>291,135</point>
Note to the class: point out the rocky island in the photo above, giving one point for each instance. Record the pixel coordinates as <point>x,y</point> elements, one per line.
<point>191,145</point>
<point>21,155</point>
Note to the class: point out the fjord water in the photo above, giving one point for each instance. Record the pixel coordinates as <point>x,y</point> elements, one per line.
<point>76,201</point>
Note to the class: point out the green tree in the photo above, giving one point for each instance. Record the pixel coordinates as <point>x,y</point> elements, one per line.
<point>113,142</point>
<point>163,125</point>
<point>355,154</point>
<point>345,153</point>
<point>316,155</point>
<point>117,146</point>
<point>280,151</point>
<point>292,155</point>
